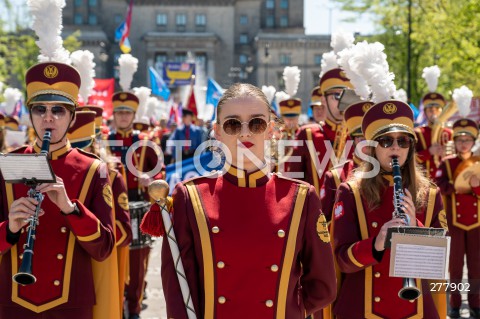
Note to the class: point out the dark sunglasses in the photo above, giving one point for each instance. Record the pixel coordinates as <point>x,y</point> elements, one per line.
<point>336,95</point>
<point>57,111</point>
<point>387,141</point>
<point>256,125</point>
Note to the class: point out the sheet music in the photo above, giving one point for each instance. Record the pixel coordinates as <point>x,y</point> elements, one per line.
<point>419,257</point>
<point>17,167</point>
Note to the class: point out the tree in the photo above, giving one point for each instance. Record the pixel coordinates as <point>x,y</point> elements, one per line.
<point>18,50</point>
<point>444,32</point>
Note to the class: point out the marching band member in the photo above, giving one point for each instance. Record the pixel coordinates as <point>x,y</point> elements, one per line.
<point>319,111</point>
<point>145,158</point>
<point>331,84</point>
<point>362,213</point>
<point>77,225</point>
<point>353,120</point>
<point>82,135</point>
<point>430,146</point>
<point>253,244</point>
<point>463,215</point>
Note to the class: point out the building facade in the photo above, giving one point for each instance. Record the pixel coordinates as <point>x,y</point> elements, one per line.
<point>230,40</point>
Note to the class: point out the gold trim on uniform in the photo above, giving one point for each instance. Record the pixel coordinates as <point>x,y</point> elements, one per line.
<point>123,201</point>
<point>289,252</point>
<point>322,229</point>
<point>108,195</point>
<point>207,254</point>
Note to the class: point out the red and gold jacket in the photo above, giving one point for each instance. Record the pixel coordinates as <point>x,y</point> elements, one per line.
<point>424,137</point>
<point>252,247</point>
<point>145,158</point>
<point>463,210</point>
<point>333,179</point>
<point>65,245</point>
<point>123,228</point>
<point>367,291</point>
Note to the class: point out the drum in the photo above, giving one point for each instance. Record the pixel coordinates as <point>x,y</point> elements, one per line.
<point>137,211</point>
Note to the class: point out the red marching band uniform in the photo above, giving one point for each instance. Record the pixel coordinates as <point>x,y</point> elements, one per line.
<point>145,158</point>
<point>424,135</point>
<point>367,291</point>
<point>318,135</point>
<point>333,178</point>
<point>81,135</point>
<point>280,227</point>
<point>66,246</point>
<point>463,216</point>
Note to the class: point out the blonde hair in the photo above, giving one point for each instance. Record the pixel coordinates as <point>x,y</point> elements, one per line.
<point>413,178</point>
<point>241,90</point>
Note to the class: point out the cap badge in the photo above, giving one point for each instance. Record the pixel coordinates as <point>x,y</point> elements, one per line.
<point>343,75</point>
<point>50,71</point>
<point>365,107</point>
<point>433,96</point>
<point>464,123</point>
<point>123,96</point>
<point>389,108</point>
<point>291,103</point>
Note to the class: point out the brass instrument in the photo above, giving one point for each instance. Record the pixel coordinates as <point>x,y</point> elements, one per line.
<point>462,174</point>
<point>439,123</point>
<point>340,139</point>
<point>409,290</point>
<point>24,275</point>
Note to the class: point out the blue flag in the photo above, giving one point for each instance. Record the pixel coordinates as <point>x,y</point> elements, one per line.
<point>207,161</point>
<point>119,31</point>
<point>274,105</point>
<point>158,85</point>
<point>214,93</point>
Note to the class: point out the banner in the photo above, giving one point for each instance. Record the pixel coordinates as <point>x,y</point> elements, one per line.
<point>214,93</point>
<point>177,74</point>
<point>188,170</point>
<point>102,95</point>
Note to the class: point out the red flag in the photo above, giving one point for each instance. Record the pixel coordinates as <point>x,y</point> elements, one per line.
<point>191,103</point>
<point>102,95</point>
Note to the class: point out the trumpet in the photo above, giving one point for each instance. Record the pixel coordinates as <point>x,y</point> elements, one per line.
<point>24,275</point>
<point>409,290</point>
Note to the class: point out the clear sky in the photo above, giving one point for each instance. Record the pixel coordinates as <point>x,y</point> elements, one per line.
<point>323,16</point>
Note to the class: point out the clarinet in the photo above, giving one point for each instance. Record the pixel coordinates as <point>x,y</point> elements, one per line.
<point>24,275</point>
<point>409,290</point>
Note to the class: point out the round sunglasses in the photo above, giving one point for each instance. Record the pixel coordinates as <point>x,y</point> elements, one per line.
<point>387,141</point>
<point>57,111</point>
<point>256,126</point>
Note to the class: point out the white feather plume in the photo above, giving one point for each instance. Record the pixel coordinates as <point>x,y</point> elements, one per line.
<point>431,75</point>
<point>401,95</point>
<point>341,40</point>
<point>47,24</point>
<point>281,96</point>
<point>329,62</point>
<point>349,64</point>
<point>142,93</point>
<point>371,63</point>
<point>12,96</point>
<point>463,97</point>
<point>83,62</point>
<point>291,77</point>
<point>153,105</point>
<point>128,65</point>
<point>269,92</point>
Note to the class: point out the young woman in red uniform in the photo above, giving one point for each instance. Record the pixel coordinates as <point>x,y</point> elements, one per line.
<point>253,244</point>
<point>463,211</point>
<point>363,213</point>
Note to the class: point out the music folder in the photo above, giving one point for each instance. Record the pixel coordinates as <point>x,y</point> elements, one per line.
<point>26,168</point>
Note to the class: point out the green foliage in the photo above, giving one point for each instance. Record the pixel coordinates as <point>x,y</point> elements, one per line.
<point>444,32</point>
